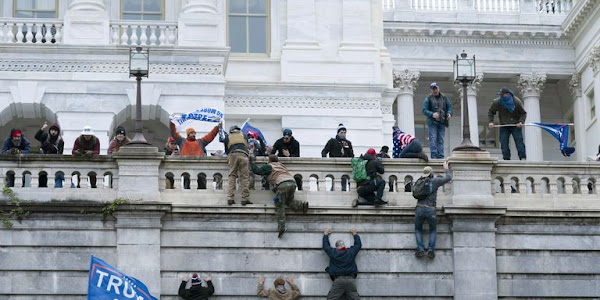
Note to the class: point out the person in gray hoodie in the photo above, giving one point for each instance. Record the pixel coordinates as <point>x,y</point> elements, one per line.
<point>425,210</point>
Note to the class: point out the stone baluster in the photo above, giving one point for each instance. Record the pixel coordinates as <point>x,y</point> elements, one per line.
<point>35,181</point>
<point>522,187</point>
<point>153,37</point>
<point>406,84</point>
<point>163,38</point>
<point>537,186</point>
<point>337,183</point>
<point>531,88</point>
<point>171,35</point>
<point>58,34</point>
<point>553,186</point>
<point>20,35</point>
<point>38,33</point>
<point>579,115</point>
<point>115,35</point>
<point>143,35</point>
<point>124,36</point>
<point>2,181</point>
<point>48,34</point>
<point>321,184</point>
<point>193,182</point>
<point>2,35</point>
<point>18,180</point>
<point>568,185</point>
<point>136,31</point>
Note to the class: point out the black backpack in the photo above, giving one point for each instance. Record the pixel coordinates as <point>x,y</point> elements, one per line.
<point>422,188</point>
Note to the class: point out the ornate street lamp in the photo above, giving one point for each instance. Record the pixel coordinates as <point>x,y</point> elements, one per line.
<point>464,71</point>
<point>139,66</point>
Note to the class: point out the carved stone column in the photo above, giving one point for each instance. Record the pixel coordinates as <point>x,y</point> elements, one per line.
<point>531,87</point>
<point>202,23</point>
<point>578,116</point>
<point>594,60</point>
<point>86,23</point>
<point>472,90</point>
<point>406,84</point>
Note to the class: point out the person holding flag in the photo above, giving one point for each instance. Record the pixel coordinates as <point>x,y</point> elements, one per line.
<point>190,146</point>
<point>512,115</point>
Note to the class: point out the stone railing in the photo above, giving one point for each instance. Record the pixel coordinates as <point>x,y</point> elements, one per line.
<point>144,34</point>
<point>324,182</point>
<point>31,31</point>
<point>554,7</point>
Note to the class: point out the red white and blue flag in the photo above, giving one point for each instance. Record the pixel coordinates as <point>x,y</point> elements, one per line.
<point>247,128</point>
<point>106,282</point>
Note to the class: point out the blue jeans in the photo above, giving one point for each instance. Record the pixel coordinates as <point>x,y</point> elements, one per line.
<point>413,150</point>
<point>422,213</point>
<point>436,132</point>
<point>517,134</point>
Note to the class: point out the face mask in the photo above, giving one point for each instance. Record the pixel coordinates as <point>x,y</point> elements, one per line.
<point>342,135</point>
<point>120,137</point>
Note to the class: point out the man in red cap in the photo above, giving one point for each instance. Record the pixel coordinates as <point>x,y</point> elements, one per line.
<point>372,189</point>
<point>171,147</point>
<point>195,291</point>
<point>16,143</point>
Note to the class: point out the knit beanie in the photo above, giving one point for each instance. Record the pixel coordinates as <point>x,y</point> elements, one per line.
<point>341,127</point>
<point>195,279</point>
<point>16,132</point>
<point>371,151</point>
<point>120,129</point>
<point>190,130</point>
<point>279,281</point>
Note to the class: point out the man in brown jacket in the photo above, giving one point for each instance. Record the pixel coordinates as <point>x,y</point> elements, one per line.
<point>512,113</point>
<point>279,292</point>
<point>283,184</point>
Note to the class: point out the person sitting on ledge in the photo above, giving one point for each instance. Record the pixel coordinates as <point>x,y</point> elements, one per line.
<point>407,145</point>
<point>371,190</point>
<point>16,143</point>
<point>194,290</point>
<point>279,292</point>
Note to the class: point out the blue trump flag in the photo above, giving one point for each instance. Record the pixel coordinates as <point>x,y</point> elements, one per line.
<point>561,133</point>
<point>247,128</point>
<point>106,282</point>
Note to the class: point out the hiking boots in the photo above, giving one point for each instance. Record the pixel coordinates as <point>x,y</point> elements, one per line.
<point>423,156</point>
<point>304,207</point>
<point>246,202</point>
<point>431,254</point>
<point>282,230</point>
<point>420,253</point>
<point>355,202</point>
<point>230,202</point>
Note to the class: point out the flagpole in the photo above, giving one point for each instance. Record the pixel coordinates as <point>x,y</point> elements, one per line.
<point>528,124</point>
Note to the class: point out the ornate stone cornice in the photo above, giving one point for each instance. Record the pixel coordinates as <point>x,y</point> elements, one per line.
<point>580,11</point>
<point>524,41</point>
<point>594,59</point>
<point>301,102</point>
<point>106,67</point>
<point>531,85</point>
<point>406,81</point>
<point>575,85</point>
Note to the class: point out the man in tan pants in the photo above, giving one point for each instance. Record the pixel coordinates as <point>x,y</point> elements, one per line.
<point>236,147</point>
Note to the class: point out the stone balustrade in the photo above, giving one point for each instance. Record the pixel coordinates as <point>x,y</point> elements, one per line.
<point>31,31</point>
<point>324,182</point>
<point>160,34</point>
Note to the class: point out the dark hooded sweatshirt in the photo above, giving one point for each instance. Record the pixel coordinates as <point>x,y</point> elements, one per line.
<point>8,143</point>
<point>50,144</point>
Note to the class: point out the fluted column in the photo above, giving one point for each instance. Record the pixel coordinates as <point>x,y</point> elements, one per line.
<point>201,23</point>
<point>86,23</point>
<point>531,87</point>
<point>472,90</point>
<point>578,116</point>
<point>594,60</point>
<point>406,84</point>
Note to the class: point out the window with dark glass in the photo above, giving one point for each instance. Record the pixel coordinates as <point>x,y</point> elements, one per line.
<point>142,9</point>
<point>35,8</point>
<point>247,25</point>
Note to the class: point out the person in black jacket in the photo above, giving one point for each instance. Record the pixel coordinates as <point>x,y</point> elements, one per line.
<point>371,190</point>
<point>196,291</point>
<point>342,267</point>
<point>52,142</point>
<point>287,146</point>
<point>338,146</point>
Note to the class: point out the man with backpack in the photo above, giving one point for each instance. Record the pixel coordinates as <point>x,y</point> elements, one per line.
<point>364,172</point>
<point>425,191</point>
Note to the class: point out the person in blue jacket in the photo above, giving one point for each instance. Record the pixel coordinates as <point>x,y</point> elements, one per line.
<point>342,267</point>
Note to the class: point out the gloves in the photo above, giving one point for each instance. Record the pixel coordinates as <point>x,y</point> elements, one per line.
<point>15,151</point>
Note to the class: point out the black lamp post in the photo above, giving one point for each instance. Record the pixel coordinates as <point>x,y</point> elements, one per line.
<point>464,71</point>
<point>139,65</point>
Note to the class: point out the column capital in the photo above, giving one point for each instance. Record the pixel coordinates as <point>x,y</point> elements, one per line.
<point>531,85</point>
<point>90,5</point>
<point>472,87</point>
<point>406,81</point>
<point>594,59</point>
<point>575,85</point>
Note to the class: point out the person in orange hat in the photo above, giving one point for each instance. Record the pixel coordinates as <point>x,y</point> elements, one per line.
<point>190,146</point>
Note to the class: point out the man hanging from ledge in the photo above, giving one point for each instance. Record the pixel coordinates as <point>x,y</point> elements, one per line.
<point>279,292</point>
<point>194,289</point>
<point>283,184</point>
<point>16,143</point>
<point>342,267</point>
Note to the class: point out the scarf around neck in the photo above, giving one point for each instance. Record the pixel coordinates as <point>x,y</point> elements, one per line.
<point>281,289</point>
<point>508,102</point>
